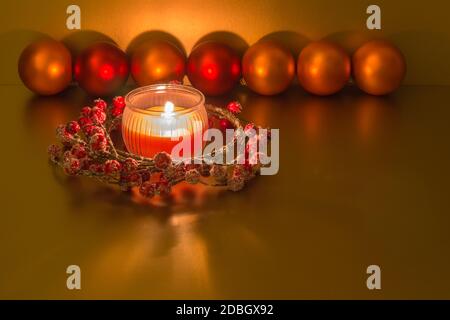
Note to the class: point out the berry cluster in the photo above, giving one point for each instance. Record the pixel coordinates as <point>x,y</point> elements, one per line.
<point>86,149</point>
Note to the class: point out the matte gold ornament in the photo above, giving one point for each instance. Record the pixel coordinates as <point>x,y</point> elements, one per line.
<point>45,67</point>
<point>323,68</point>
<point>268,68</point>
<point>157,61</point>
<point>214,68</point>
<point>378,67</point>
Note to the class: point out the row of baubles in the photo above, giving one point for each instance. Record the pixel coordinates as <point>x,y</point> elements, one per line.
<point>322,68</point>
<point>268,68</point>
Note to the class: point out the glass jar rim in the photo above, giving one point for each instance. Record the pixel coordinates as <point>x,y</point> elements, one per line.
<point>162,87</point>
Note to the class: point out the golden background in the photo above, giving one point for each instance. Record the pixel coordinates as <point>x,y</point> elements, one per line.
<point>420,29</point>
<point>363,180</point>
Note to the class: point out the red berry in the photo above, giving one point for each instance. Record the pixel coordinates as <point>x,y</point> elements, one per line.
<point>204,169</point>
<point>119,102</point>
<point>88,129</point>
<point>225,124</point>
<point>67,155</point>
<point>131,180</point>
<point>134,177</point>
<point>71,165</point>
<point>85,163</point>
<point>219,172</point>
<point>112,167</point>
<point>101,104</point>
<point>86,111</point>
<point>234,107</point>
<point>96,168</point>
<point>236,182</point>
<point>147,189</point>
<point>73,127</point>
<point>96,130</point>
<point>98,116</point>
<point>84,121</point>
<point>162,160</point>
<point>249,127</point>
<point>248,166</point>
<point>192,176</point>
<point>145,175</point>
<point>211,121</point>
<point>116,111</point>
<point>78,151</point>
<point>163,188</point>
<point>91,129</point>
<point>190,166</point>
<point>63,135</point>
<point>129,165</point>
<point>98,142</point>
<point>251,145</point>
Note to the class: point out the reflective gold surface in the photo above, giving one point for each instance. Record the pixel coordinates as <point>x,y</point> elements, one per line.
<point>363,180</point>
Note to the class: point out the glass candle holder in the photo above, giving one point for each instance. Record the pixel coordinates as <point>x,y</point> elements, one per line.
<point>157,117</point>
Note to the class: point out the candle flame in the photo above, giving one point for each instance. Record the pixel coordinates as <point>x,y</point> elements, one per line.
<point>169,107</point>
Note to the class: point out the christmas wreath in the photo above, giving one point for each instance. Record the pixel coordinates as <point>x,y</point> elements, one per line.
<point>87,149</point>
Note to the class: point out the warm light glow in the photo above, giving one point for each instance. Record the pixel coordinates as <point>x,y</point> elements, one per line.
<point>169,107</point>
<point>314,71</point>
<point>77,70</point>
<point>210,72</point>
<point>106,72</point>
<point>261,71</point>
<point>54,70</point>
<point>236,69</point>
<point>161,116</point>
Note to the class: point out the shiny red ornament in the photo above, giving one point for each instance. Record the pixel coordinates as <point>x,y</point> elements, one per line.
<point>214,68</point>
<point>101,69</point>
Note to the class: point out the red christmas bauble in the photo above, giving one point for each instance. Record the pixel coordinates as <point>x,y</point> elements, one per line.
<point>101,69</point>
<point>213,68</point>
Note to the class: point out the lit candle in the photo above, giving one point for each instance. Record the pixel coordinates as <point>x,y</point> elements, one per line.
<point>157,117</point>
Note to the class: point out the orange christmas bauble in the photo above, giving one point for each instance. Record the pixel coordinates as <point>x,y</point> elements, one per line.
<point>268,67</point>
<point>101,69</point>
<point>214,68</point>
<point>323,68</point>
<point>157,61</point>
<point>45,67</point>
<point>378,67</point>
